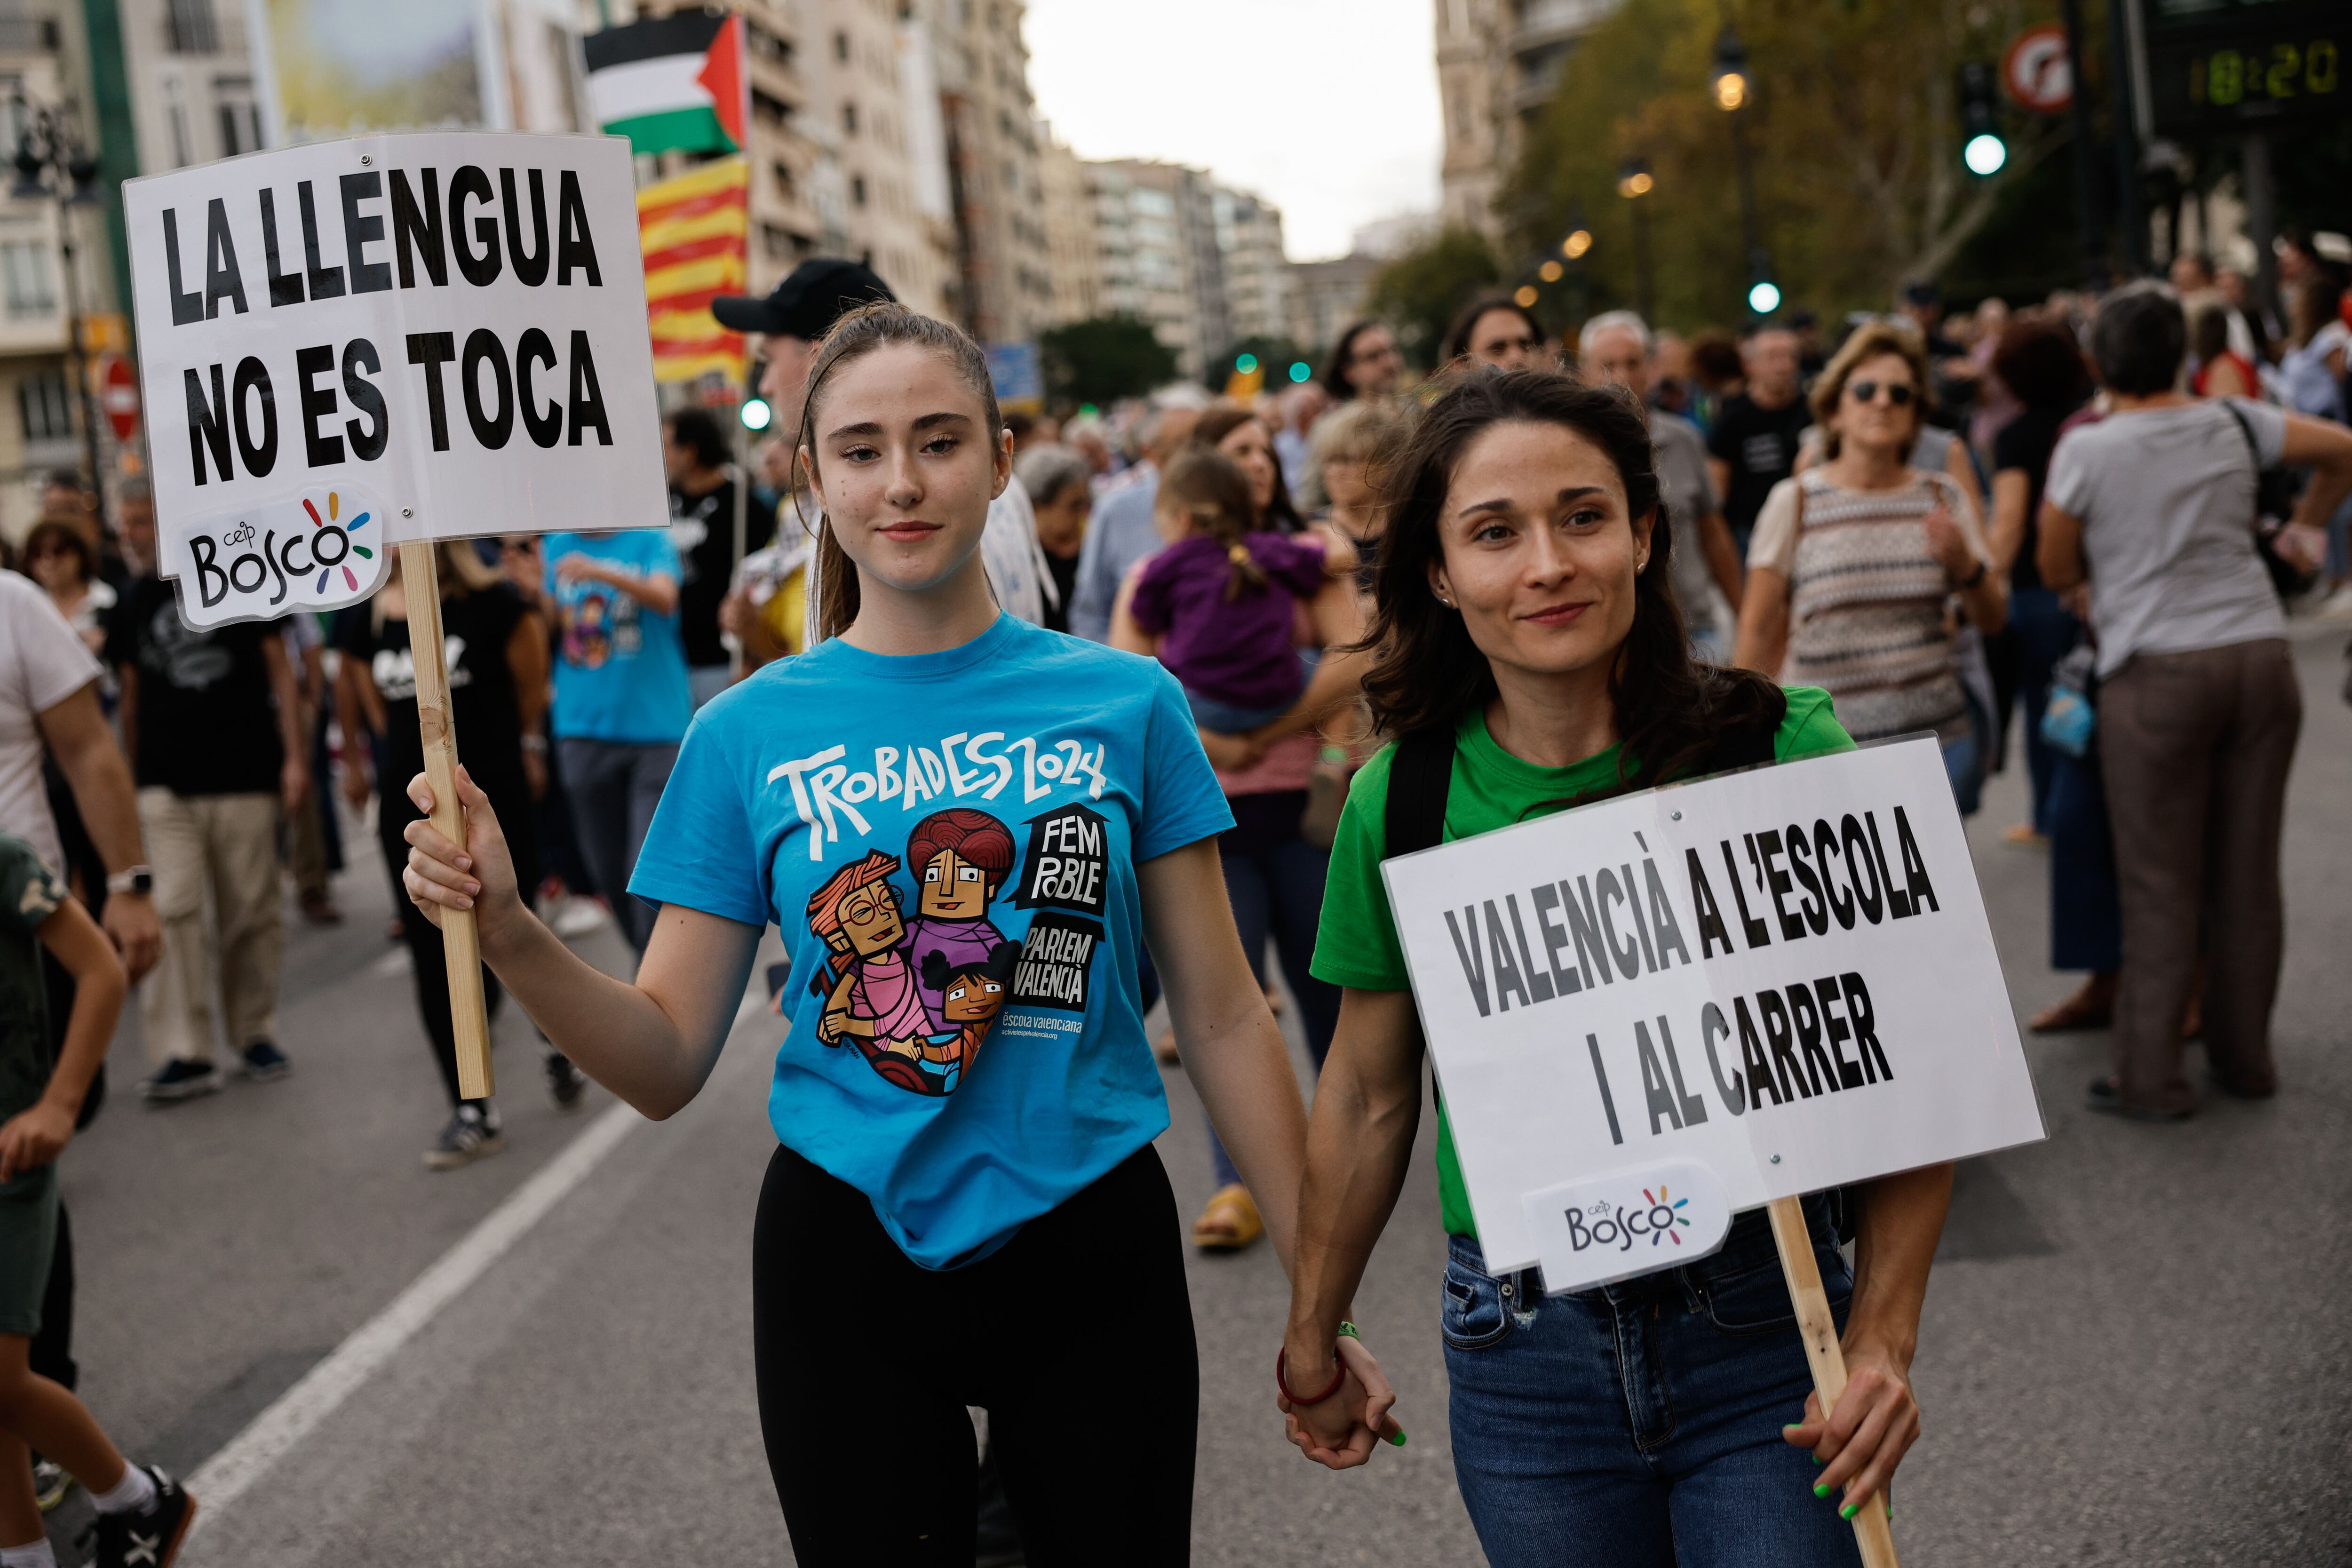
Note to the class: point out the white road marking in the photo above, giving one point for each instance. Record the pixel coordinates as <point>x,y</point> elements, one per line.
<point>245,1458</point>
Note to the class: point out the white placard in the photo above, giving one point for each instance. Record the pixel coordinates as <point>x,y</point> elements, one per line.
<point>1659,978</point>
<point>1613,1227</point>
<point>451,325</point>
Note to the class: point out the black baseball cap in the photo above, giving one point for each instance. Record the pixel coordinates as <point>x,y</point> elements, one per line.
<point>806,304</point>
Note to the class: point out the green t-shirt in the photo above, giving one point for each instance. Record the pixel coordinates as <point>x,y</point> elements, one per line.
<point>1357,944</point>
<point>29,894</point>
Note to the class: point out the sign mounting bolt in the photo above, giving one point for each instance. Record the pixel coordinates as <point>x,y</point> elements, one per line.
<point>1776,1159</point>
<point>1678,816</point>
<point>404,511</point>
<point>365,160</point>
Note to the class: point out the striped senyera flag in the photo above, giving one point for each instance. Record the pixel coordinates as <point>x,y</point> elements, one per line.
<point>694,230</point>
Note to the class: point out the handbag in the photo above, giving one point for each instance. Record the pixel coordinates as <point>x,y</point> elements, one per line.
<point>2275,491</point>
<point>2071,717</point>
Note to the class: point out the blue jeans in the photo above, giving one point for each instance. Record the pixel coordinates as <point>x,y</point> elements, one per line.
<point>2086,915</point>
<point>1273,879</point>
<point>1638,1426</point>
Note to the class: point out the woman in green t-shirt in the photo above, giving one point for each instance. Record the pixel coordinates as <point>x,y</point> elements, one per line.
<point>1524,625</point>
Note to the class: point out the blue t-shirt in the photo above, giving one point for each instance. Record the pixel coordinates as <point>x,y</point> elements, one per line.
<point>948,842</point>
<point>620,670</point>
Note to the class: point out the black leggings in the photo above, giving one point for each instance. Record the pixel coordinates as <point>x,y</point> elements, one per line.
<point>1074,1330</point>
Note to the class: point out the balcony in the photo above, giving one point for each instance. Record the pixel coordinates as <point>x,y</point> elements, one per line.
<point>24,35</point>
<point>1545,22</point>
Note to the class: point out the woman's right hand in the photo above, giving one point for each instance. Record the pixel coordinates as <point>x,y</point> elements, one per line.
<point>479,876</point>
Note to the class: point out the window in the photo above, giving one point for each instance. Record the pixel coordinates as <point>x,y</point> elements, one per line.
<point>785,185</point>
<point>46,411</point>
<point>858,190</point>
<point>768,107</point>
<point>849,120</point>
<point>189,27</point>
<point>240,116</point>
<point>25,278</point>
<point>841,47</point>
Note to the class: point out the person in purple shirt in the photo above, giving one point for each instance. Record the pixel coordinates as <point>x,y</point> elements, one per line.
<point>958,858</point>
<point>1221,601</point>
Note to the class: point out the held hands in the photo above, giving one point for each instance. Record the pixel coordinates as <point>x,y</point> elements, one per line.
<point>479,876</point>
<point>1337,1433</point>
<point>1875,1424</point>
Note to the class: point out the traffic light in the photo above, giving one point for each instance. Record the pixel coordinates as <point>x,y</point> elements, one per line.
<point>1982,148</point>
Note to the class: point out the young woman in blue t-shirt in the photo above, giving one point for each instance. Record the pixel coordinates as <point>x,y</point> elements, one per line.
<point>964,826</point>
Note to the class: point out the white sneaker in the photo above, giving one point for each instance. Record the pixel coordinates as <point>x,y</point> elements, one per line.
<point>470,1136</point>
<point>577,916</point>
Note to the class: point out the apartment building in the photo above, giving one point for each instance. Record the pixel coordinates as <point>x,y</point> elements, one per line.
<point>1497,63</point>
<point>875,114</point>
<point>993,156</point>
<point>1257,272</point>
<point>1073,244</point>
<point>1156,227</point>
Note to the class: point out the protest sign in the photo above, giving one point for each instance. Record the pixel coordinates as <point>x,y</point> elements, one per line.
<point>354,346</point>
<point>1762,984</point>
<point>1784,975</point>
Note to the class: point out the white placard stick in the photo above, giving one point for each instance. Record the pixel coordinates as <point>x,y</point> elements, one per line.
<point>1817,1327</point>
<point>460,943</point>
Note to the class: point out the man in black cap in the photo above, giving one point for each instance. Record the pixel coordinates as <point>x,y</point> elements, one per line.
<point>789,324</point>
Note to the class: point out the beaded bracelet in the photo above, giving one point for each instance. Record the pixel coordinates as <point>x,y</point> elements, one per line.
<point>1339,1376</point>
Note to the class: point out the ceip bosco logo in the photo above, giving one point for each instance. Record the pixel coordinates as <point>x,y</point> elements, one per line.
<point>322,550</point>
<point>1613,1227</point>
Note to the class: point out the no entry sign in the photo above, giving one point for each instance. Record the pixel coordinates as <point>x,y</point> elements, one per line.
<point>399,338</point>
<point>1784,977</point>
<point>117,394</point>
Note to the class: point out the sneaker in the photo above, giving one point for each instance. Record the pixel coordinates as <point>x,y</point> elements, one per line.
<point>564,1081</point>
<point>264,1061</point>
<point>181,1080</point>
<point>579,916</point>
<point>148,1537</point>
<point>470,1136</point>
<point>51,1483</point>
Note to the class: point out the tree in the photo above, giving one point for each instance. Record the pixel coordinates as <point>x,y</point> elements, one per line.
<point>1419,291</point>
<point>1853,125</point>
<point>1104,359</point>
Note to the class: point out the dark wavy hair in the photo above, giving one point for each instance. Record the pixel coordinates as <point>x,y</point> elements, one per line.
<point>1671,709</point>
<point>1466,321</point>
<point>1343,354</point>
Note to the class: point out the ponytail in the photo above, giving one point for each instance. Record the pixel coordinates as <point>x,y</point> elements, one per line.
<point>1209,490</point>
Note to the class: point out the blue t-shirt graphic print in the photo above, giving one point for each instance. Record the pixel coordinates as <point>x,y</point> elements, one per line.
<point>948,843</point>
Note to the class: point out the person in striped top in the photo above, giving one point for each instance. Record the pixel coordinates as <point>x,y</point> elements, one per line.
<point>1856,563</point>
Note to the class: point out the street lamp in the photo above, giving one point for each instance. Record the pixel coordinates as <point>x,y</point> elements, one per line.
<point>53,165</point>
<point>1733,91</point>
<point>1633,183</point>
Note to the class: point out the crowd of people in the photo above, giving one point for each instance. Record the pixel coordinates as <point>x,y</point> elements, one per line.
<point>2091,515</point>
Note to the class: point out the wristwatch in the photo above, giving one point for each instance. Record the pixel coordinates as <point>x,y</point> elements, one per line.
<point>1973,578</point>
<point>132,880</point>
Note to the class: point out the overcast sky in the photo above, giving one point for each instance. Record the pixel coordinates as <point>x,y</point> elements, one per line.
<point>1326,108</point>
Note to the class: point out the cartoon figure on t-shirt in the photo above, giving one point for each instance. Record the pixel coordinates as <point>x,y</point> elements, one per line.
<point>971,995</point>
<point>587,634</point>
<point>873,1003</point>
<point>959,859</point>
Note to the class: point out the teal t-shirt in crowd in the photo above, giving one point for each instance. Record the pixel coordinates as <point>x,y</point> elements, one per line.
<point>949,843</point>
<point>620,669</point>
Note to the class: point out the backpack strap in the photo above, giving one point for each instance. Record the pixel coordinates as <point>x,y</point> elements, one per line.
<point>1420,775</point>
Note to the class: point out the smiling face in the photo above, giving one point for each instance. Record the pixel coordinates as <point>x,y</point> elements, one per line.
<point>906,466</point>
<point>870,918</point>
<point>1537,551</point>
<point>1249,445</point>
<point>954,889</point>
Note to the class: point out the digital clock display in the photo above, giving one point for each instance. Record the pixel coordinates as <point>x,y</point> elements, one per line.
<point>2226,77</point>
<point>2218,80</point>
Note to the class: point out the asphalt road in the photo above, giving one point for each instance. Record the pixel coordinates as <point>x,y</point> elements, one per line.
<point>2137,1347</point>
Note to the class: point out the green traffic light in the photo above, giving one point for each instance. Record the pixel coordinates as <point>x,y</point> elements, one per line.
<point>1247,363</point>
<point>1301,370</point>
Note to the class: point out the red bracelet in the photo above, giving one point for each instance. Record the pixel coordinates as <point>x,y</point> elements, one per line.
<point>1339,1376</point>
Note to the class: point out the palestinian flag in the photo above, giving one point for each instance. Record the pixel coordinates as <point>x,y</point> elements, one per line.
<point>672,84</point>
<point>693,231</point>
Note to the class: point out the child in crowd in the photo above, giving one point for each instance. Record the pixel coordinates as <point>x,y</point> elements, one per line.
<point>143,1514</point>
<point>1221,600</point>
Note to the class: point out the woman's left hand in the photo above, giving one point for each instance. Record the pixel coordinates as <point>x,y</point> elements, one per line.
<point>1232,753</point>
<point>1875,1424</point>
<point>1946,543</point>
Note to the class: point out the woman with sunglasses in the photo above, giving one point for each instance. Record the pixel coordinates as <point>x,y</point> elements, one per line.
<point>1856,561</point>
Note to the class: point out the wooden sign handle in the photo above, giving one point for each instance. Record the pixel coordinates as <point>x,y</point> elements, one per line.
<point>1815,1322</point>
<point>460,943</point>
